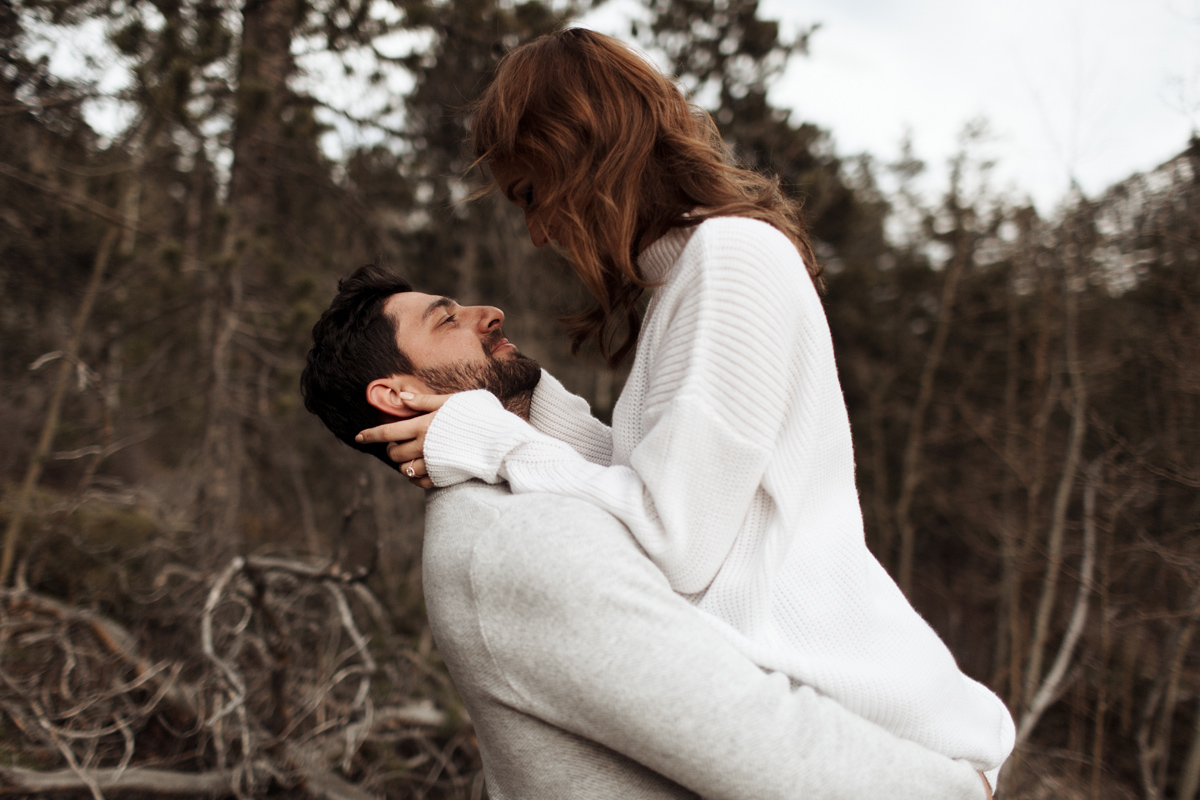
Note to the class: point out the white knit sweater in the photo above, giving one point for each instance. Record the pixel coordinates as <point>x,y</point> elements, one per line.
<point>731,462</point>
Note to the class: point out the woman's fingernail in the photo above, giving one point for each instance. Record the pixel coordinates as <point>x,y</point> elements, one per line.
<point>407,395</point>
<point>358,438</point>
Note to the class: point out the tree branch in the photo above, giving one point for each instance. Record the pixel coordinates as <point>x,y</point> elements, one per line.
<point>18,781</point>
<point>50,424</point>
<point>1066,484</point>
<point>1052,686</point>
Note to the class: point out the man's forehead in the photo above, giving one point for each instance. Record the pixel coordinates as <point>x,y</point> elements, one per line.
<point>409,308</point>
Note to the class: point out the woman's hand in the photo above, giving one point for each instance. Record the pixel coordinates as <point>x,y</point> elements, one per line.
<point>417,476</point>
<point>987,787</point>
<point>406,437</point>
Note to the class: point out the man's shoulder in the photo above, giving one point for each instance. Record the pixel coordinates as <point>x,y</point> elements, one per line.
<point>478,502</point>
<point>474,530</point>
<point>475,506</point>
<point>463,498</point>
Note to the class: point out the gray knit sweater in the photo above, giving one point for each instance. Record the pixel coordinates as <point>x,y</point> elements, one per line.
<point>587,677</point>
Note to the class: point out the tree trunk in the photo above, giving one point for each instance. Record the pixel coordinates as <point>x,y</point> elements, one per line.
<point>1151,754</point>
<point>1008,620</point>
<point>69,362</point>
<point>1052,686</point>
<point>1189,780</point>
<point>911,476</point>
<point>1054,543</point>
<point>253,209</point>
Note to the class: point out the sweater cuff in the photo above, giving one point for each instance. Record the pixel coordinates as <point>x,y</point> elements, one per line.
<point>469,438</point>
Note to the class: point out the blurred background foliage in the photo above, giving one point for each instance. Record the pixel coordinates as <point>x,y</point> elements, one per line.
<point>1024,389</point>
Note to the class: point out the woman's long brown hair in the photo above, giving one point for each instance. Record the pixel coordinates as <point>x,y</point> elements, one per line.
<point>619,158</point>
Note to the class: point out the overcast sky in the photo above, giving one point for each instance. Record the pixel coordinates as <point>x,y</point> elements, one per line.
<point>1097,88</point>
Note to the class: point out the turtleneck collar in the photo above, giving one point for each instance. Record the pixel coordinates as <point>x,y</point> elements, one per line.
<point>656,261</point>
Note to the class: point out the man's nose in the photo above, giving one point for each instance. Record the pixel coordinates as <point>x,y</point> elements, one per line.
<point>489,317</point>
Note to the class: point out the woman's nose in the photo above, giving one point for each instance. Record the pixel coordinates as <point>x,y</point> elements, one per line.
<point>537,233</point>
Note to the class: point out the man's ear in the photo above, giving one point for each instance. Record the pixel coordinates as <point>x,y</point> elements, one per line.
<point>384,394</point>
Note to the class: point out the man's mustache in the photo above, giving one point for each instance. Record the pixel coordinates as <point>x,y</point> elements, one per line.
<point>491,339</point>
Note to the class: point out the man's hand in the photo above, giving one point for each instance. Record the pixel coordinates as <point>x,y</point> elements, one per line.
<point>407,436</point>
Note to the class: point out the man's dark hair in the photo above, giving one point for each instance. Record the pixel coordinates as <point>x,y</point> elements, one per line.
<point>354,343</point>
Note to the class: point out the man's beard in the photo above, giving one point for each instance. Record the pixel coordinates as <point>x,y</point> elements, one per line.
<point>511,379</point>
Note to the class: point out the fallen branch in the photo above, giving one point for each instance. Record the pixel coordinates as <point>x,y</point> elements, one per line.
<point>160,782</point>
<point>118,641</point>
<point>98,708</point>
<point>16,781</point>
<point>416,715</point>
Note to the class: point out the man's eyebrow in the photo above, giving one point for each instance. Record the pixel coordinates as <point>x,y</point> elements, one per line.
<point>441,302</point>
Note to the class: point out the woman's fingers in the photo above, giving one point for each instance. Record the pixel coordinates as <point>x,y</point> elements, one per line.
<point>417,476</point>
<point>402,452</point>
<point>400,431</point>
<point>987,787</point>
<point>424,402</point>
<point>414,468</point>
<point>407,436</point>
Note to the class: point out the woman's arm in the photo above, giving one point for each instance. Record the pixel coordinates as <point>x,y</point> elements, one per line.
<point>567,417</point>
<point>735,336</point>
<point>474,437</point>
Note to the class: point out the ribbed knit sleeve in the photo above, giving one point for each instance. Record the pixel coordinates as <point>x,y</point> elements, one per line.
<point>473,436</point>
<point>714,407</point>
<point>567,417</point>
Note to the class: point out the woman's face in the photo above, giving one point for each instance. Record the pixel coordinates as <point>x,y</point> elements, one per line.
<point>515,180</point>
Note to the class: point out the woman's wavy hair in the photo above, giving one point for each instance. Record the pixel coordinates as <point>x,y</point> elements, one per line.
<point>620,157</point>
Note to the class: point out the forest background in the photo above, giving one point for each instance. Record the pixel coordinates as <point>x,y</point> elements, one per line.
<point>205,594</point>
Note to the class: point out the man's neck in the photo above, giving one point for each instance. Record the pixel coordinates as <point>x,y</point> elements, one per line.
<point>519,404</point>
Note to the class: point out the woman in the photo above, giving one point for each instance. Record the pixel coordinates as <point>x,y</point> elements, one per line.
<point>730,457</point>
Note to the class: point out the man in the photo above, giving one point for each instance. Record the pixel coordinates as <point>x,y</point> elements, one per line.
<point>585,674</point>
